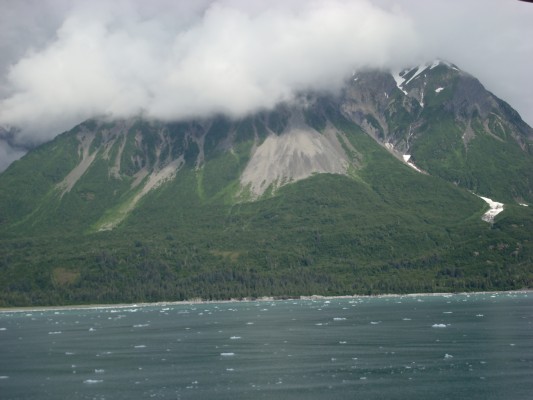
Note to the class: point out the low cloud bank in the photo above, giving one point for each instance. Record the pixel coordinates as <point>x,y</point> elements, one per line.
<point>173,60</point>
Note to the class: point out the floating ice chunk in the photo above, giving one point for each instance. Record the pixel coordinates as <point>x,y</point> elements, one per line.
<point>438,90</point>
<point>140,346</point>
<point>406,319</point>
<point>99,371</point>
<point>3,329</point>
<point>230,369</point>
<point>92,381</point>
<point>249,323</point>
<point>375,322</point>
<point>227,354</point>
<point>140,325</point>
<point>447,312</point>
<point>339,319</point>
<point>438,326</point>
<point>479,315</point>
<point>4,377</point>
<point>235,337</point>
<point>447,356</point>
<point>342,342</point>
<point>55,333</point>
<point>523,204</point>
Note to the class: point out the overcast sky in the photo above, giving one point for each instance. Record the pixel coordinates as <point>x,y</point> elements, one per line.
<point>63,61</point>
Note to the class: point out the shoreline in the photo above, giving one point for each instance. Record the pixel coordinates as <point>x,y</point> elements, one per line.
<point>245,300</point>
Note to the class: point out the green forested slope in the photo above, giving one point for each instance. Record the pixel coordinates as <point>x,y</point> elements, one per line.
<point>97,216</point>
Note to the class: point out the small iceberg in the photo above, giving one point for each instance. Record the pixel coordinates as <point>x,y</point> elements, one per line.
<point>438,326</point>
<point>92,381</point>
<point>447,356</point>
<point>339,319</point>
<point>227,354</point>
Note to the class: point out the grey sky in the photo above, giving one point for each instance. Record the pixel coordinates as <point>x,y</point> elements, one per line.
<point>64,61</point>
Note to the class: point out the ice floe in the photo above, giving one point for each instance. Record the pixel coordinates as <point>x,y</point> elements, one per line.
<point>339,319</point>
<point>438,90</point>
<point>92,381</point>
<point>227,354</point>
<point>438,326</point>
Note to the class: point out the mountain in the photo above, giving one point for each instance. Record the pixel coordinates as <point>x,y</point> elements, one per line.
<point>395,184</point>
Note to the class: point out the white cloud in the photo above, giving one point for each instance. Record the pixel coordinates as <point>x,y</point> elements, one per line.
<point>231,59</point>
<point>176,59</point>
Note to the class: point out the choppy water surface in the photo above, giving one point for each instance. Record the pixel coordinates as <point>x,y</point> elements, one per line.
<point>462,346</point>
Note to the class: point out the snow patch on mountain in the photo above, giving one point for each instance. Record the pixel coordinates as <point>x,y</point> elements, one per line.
<point>399,81</point>
<point>408,161</point>
<point>495,209</point>
<point>294,155</point>
<point>421,68</point>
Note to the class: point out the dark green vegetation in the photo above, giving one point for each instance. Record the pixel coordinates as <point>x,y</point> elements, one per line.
<point>91,217</point>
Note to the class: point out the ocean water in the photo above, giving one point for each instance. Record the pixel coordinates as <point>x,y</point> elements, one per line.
<point>413,347</point>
